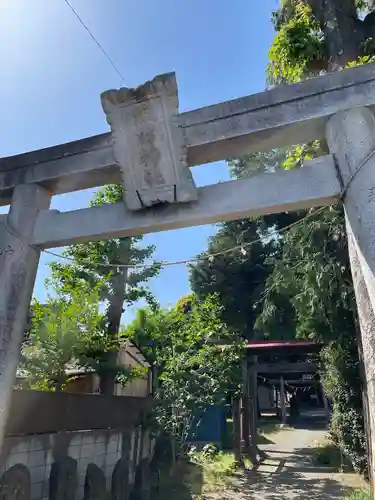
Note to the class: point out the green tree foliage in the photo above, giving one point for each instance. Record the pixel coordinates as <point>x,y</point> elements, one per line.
<point>152,331</point>
<point>305,43</point>
<point>255,163</point>
<point>307,289</point>
<point>313,269</point>
<point>298,48</point>
<point>95,262</point>
<point>313,273</point>
<point>63,333</point>
<point>237,277</point>
<point>196,365</point>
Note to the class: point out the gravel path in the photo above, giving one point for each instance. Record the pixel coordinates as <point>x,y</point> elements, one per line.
<point>289,473</point>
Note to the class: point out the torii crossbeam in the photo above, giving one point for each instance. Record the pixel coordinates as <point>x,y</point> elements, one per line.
<point>149,149</point>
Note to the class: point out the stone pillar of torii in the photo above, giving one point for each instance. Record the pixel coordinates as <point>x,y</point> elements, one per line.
<point>150,149</point>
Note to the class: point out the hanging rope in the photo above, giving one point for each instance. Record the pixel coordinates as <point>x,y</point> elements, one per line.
<point>206,256</point>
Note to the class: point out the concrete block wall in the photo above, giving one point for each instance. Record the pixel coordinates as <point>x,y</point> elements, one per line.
<point>104,448</point>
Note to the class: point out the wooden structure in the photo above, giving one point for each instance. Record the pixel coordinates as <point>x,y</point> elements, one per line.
<point>282,363</point>
<point>149,149</point>
<point>36,412</point>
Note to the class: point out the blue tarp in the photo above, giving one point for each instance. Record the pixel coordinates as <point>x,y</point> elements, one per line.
<point>210,426</point>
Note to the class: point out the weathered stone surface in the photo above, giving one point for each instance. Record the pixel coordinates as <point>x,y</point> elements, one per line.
<point>313,185</point>
<point>81,164</point>
<point>141,489</point>
<point>15,484</point>
<point>18,266</point>
<point>63,479</point>
<point>287,114</point>
<point>148,144</point>
<point>284,115</point>
<point>366,348</point>
<point>95,484</point>
<point>351,137</point>
<point>120,480</point>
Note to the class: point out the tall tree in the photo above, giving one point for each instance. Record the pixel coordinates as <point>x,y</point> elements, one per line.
<point>63,332</point>
<point>309,280</point>
<point>194,370</point>
<point>101,261</point>
<point>319,35</point>
<point>239,276</point>
<point>314,36</point>
<point>313,274</point>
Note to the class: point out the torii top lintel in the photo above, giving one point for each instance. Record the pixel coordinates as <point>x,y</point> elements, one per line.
<point>284,115</point>
<point>151,145</point>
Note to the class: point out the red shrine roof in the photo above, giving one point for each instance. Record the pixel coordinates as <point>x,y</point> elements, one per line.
<point>266,344</point>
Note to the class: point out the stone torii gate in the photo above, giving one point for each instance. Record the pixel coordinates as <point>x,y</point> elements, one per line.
<point>149,150</point>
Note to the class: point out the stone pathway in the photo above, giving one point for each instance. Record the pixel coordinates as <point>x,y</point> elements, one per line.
<point>289,473</point>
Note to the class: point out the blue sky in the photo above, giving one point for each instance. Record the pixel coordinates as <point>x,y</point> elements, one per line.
<point>53,74</point>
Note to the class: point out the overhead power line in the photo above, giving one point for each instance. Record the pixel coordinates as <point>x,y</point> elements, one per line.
<point>98,44</point>
<point>207,256</point>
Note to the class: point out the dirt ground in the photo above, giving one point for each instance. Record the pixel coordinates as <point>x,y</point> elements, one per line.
<point>289,472</point>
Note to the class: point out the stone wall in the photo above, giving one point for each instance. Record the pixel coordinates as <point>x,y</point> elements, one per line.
<point>98,464</point>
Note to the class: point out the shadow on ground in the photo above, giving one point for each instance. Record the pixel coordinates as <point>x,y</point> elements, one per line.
<point>262,439</point>
<point>288,473</point>
<point>308,422</point>
<point>291,475</point>
<point>172,480</point>
<point>185,483</point>
<point>290,485</point>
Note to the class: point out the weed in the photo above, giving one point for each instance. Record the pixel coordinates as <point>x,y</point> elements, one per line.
<point>205,472</point>
<point>359,495</point>
<point>327,454</point>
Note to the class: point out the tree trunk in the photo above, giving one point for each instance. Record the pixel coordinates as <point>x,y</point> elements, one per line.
<point>113,316</point>
<point>246,429</point>
<point>236,409</point>
<point>58,387</point>
<point>343,32</point>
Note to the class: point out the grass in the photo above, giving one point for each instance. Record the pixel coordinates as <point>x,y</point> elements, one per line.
<point>204,474</point>
<point>200,476</point>
<point>267,426</point>
<point>176,485</point>
<point>216,471</point>
<point>359,495</point>
<point>208,475</point>
<point>327,454</point>
<point>270,426</point>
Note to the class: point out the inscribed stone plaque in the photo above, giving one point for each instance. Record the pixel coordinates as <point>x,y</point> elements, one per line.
<point>148,144</point>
